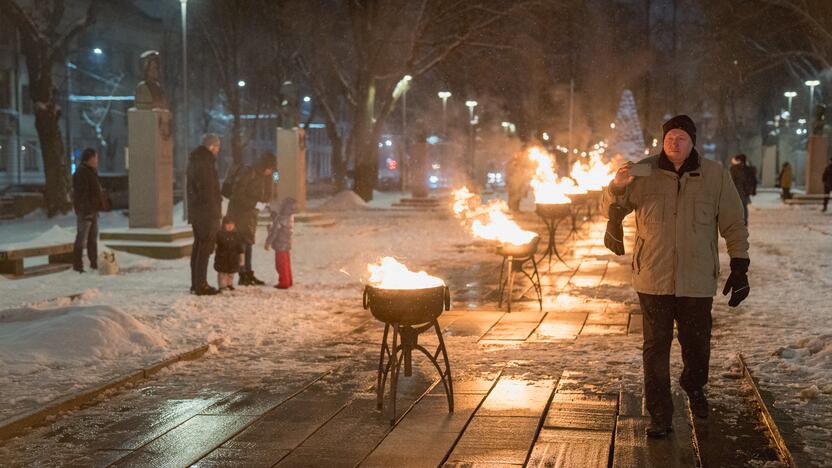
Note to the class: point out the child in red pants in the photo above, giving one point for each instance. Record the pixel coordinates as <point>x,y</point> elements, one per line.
<point>280,239</point>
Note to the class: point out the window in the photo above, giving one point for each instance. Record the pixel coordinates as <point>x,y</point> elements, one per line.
<point>30,157</point>
<point>25,99</point>
<point>5,89</point>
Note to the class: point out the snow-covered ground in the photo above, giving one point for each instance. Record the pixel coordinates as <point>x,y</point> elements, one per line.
<point>119,323</point>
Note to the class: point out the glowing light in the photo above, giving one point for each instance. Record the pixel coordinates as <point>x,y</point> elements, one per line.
<point>612,125</point>
<point>545,136</point>
<point>499,227</point>
<point>545,184</point>
<point>241,83</point>
<point>388,273</point>
<point>307,99</point>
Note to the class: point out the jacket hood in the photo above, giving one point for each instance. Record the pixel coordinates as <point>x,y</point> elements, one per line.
<point>288,207</point>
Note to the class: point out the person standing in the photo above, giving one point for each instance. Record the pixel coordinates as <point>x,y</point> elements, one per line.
<point>785,181</point>
<point>204,210</point>
<point>745,179</point>
<point>229,255</point>
<point>827,184</point>
<point>251,188</point>
<point>280,239</point>
<point>680,208</point>
<point>87,201</point>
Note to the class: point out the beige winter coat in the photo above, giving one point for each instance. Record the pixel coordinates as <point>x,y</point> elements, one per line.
<point>677,220</point>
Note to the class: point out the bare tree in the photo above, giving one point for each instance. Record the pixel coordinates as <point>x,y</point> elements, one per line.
<point>44,40</point>
<point>378,43</point>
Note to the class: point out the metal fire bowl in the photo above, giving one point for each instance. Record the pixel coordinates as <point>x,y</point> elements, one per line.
<point>519,251</point>
<point>553,210</point>
<point>578,198</point>
<point>407,306</point>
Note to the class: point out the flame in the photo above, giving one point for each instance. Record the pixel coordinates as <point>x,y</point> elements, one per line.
<point>500,227</point>
<point>548,188</point>
<point>594,175</point>
<point>390,274</point>
<point>464,201</point>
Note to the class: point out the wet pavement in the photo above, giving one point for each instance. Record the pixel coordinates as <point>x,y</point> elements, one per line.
<point>511,409</point>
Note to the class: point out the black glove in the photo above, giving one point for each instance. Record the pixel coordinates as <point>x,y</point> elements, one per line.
<point>737,282</point>
<point>614,237</point>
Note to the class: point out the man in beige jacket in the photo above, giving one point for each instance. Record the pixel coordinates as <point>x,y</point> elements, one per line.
<point>680,207</point>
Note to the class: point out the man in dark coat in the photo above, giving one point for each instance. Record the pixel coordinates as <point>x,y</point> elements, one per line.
<point>827,183</point>
<point>87,202</point>
<point>251,186</point>
<point>745,179</point>
<point>204,210</point>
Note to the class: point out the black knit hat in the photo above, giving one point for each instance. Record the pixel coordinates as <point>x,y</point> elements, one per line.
<point>267,161</point>
<point>682,122</point>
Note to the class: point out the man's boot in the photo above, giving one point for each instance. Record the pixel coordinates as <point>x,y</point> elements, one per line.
<point>255,281</point>
<point>244,279</point>
<point>658,429</point>
<point>698,403</point>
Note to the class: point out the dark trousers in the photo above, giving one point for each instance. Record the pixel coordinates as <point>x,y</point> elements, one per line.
<point>693,320</point>
<point>826,198</point>
<point>746,200</point>
<point>205,238</point>
<point>86,236</point>
<point>246,266</point>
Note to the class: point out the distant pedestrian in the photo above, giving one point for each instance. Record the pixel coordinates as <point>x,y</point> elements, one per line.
<point>680,209</point>
<point>745,180</point>
<point>251,188</point>
<point>229,256</point>
<point>827,183</point>
<point>87,201</point>
<point>517,180</point>
<point>204,210</point>
<point>785,181</point>
<point>280,239</point>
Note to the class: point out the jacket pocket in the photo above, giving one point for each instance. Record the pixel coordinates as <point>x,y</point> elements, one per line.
<point>703,212</point>
<point>637,254</point>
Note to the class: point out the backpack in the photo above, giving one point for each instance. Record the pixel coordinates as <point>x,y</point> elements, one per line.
<point>231,176</point>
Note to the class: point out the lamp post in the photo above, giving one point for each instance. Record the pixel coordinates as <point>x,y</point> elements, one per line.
<point>444,95</point>
<point>472,139</point>
<point>185,110</point>
<point>789,95</point>
<point>811,84</point>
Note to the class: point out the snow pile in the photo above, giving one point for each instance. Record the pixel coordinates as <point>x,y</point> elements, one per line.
<point>344,201</point>
<point>54,235</point>
<point>31,339</point>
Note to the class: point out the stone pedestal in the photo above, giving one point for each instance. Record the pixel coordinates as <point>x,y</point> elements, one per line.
<point>150,168</point>
<point>769,166</point>
<point>816,161</point>
<point>291,165</point>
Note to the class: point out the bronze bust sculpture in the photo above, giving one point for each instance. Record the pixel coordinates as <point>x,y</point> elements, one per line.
<point>149,94</point>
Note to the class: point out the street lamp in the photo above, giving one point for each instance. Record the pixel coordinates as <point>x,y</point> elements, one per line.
<point>811,84</point>
<point>444,95</point>
<point>185,110</point>
<point>471,104</point>
<point>789,95</point>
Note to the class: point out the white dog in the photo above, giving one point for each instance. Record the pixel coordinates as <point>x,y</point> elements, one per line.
<point>107,263</point>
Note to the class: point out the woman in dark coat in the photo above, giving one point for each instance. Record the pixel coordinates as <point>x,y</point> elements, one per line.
<point>252,185</point>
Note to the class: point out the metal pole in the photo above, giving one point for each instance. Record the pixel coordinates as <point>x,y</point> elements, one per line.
<point>444,117</point>
<point>68,109</point>
<point>811,104</point>
<point>571,111</point>
<point>185,110</point>
<point>18,98</point>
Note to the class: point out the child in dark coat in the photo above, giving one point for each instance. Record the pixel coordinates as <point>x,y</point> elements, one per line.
<point>227,259</point>
<point>280,239</point>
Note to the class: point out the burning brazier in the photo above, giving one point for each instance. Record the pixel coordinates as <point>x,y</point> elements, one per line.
<point>515,259</point>
<point>552,214</point>
<point>409,304</point>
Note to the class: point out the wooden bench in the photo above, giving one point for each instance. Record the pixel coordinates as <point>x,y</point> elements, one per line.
<point>11,259</point>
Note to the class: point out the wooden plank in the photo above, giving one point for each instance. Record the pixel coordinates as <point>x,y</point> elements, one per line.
<point>512,397</point>
<point>188,442</point>
<point>571,448</point>
<point>473,324</point>
<point>495,440</point>
<point>633,448</point>
<point>603,330</point>
<point>36,251</point>
<point>426,434</point>
<point>583,412</point>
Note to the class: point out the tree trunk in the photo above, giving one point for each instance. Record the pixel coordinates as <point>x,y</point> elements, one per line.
<point>47,115</point>
<point>363,147</point>
<point>339,169</point>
